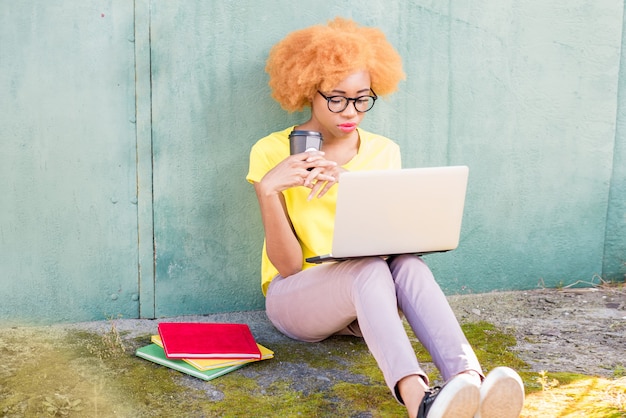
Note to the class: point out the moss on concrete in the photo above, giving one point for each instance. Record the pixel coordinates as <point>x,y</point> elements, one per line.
<point>79,373</point>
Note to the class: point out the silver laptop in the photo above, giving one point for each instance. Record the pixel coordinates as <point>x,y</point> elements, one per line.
<point>406,211</point>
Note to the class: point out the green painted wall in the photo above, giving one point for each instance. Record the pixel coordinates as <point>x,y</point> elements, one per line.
<point>125,131</point>
<point>615,241</point>
<point>68,201</point>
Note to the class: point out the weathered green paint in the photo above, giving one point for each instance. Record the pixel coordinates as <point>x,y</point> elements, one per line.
<point>615,241</point>
<point>145,218</point>
<point>68,213</point>
<point>207,79</point>
<point>126,126</point>
<point>527,100</point>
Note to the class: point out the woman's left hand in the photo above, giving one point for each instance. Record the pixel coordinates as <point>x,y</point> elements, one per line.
<point>320,187</point>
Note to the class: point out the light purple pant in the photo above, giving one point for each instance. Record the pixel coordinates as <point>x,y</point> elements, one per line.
<point>329,300</point>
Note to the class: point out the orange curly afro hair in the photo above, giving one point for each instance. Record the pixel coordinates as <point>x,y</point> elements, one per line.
<point>321,56</point>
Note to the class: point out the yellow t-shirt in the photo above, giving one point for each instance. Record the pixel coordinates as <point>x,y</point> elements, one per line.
<point>313,220</point>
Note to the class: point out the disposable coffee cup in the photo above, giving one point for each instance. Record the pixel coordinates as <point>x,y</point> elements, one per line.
<point>301,141</point>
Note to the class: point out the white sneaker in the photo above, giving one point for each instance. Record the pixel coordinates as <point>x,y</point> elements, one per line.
<point>501,394</point>
<point>459,398</point>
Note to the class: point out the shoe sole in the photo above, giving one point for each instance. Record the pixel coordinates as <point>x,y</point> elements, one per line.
<point>501,395</point>
<point>459,398</point>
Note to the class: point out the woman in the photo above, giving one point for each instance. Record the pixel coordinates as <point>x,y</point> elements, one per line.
<point>338,70</point>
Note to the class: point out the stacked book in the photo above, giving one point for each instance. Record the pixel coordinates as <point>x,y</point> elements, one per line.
<point>204,350</point>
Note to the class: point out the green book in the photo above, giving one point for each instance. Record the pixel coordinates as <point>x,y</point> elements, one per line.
<point>155,354</point>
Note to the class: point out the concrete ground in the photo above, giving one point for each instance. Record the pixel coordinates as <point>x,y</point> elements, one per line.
<point>568,330</point>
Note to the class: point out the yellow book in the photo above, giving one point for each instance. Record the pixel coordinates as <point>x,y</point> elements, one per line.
<point>210,364</point>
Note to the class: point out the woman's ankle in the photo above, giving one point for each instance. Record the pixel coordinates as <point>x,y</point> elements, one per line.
<point>411,390</point>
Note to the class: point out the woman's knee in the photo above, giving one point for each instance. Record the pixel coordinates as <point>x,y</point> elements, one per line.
<point>370,266</point>
<point>372,272</point>
<point>409,262</point>
<point>373,262</point>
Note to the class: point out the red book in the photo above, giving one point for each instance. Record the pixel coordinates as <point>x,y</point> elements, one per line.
<point>208,340</point>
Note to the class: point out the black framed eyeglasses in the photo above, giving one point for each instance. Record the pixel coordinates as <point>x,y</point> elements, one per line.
<point>338,104</point>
